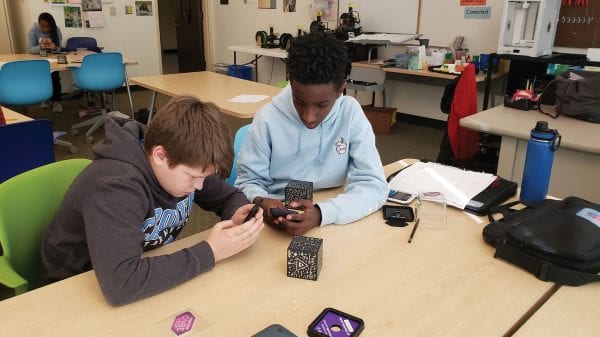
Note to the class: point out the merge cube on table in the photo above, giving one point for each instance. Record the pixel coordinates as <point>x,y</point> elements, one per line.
<point>305,257</point>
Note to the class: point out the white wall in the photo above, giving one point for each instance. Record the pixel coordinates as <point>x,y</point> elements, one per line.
<point>440,21</point>
<point>238,22</point>
<point>6,46</point>
<point>136,37</point>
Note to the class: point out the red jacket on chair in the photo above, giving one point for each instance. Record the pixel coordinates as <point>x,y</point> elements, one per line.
<point>464,142</point>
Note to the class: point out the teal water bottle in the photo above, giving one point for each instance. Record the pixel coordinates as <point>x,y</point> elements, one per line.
<point>538,163</point>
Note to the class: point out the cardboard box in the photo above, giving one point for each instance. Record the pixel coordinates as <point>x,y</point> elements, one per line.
<point>381,118</point>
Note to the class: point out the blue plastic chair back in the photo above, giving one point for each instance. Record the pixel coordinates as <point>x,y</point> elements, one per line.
<point>25,145</point>
<point>25,82</point>
<point>82,42</point>
<point>100,72</point>
<point>240,135</point>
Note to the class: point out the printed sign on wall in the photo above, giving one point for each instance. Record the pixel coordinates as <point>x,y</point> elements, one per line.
<point>478,12</point>
<point>472,2</point>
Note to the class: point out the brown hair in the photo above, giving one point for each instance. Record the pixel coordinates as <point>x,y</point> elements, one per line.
<point>192,134</point>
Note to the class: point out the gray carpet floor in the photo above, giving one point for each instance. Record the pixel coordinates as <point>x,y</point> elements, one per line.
<point>407,139</point>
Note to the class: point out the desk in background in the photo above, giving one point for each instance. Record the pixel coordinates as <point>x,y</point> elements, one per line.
<point>208,87</point>
<point>257,52</point>
<point>418,92</point>
<point>54,65</point>
<point>444,283</point>
<point>576,162</point>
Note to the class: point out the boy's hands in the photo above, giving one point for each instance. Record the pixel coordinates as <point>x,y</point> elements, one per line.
<point>230,237</point>
<point>298,224</point>
<point>293,224</point>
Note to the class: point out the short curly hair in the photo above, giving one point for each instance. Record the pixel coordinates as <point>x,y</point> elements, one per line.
<point>317,58</point>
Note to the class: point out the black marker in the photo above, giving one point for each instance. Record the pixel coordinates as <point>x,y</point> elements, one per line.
<point>412,234</point>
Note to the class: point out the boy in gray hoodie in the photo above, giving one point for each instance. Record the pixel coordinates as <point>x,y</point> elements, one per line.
<point>135,197</point>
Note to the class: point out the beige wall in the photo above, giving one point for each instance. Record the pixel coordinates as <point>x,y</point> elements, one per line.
<point>136,37</point>
<point>6,46</point>
<point>440,21</point>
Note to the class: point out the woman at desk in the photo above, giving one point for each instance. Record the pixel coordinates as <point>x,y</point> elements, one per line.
<point>45,35</point>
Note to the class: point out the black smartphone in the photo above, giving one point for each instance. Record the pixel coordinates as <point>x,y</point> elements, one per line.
<point>398,213</point>
<point>274,330</point>
<point>252,213</point>
<point>277,212</point>
<point>400,197</point>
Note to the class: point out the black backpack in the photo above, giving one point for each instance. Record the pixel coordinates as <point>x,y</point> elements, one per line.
<point>556,240</point>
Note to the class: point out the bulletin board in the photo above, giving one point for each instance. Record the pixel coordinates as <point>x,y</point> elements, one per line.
<point>578,26</point>
<point>385,16</point>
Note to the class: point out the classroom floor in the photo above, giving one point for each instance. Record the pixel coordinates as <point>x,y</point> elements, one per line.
<point>408,138</point>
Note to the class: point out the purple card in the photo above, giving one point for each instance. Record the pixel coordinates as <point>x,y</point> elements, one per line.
<point>334,323</point>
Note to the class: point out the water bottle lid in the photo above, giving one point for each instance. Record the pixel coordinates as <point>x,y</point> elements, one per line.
<point>544,133</point>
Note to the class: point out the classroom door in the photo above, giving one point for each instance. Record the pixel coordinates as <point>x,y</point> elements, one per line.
<point>190,36</point>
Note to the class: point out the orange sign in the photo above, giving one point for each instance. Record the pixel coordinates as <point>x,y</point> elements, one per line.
<point>472,2</point>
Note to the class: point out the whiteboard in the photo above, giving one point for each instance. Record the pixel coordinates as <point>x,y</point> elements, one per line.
<point>385,16</point>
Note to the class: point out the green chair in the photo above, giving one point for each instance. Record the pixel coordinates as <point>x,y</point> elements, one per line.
<point>28,202</point>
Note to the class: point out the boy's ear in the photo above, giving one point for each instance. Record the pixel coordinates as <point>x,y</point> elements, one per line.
<point>159,156</point>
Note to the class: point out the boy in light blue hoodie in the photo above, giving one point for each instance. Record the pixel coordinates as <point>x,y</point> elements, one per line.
<point>312,132</point>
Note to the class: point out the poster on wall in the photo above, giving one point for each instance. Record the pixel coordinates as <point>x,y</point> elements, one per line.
<point>267,4</point>
<point>91,5</point>
<point>143,8</point>
<point>93,19</point>
<point>327,9</point>
<point>472,2</point>
<point>128,9</point>
<point>72,16</point>
<point>289,5</point>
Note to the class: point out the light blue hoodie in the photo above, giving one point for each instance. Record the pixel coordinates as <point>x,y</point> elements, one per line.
<point>340,151</point>
<point>34,35</point>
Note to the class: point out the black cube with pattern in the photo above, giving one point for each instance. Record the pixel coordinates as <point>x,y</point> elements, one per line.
<point>298,189</point>
<point>305,257</point>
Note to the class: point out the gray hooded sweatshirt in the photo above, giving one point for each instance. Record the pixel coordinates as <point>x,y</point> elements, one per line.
<point>116,209</point>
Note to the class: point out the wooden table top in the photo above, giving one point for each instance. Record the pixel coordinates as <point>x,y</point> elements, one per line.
<point>445,283</point>
<point>422,73</point>
<point>571,311</point>
<point>14,117</point>
<point>210,87</point>
<point>504,121</point>
<point>52,58</point>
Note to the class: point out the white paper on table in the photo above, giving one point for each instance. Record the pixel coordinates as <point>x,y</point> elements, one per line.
<point>458,186</point>
<point>248,98</point>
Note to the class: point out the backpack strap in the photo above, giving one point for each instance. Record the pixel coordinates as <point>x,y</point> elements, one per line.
<point>543,270</point>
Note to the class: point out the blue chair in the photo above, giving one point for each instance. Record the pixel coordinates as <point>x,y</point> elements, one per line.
<point>25,83</point>
<point>88,43</point>
<point>240,135</point>
<point>25,146</point>
<point>101,72</point>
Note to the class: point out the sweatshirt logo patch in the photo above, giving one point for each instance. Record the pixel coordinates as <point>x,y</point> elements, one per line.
<point>341,146</point>
<point>165,225</point>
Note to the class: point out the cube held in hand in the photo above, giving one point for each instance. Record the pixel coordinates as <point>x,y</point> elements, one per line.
<point>296,190</point>
<point>305,257</point>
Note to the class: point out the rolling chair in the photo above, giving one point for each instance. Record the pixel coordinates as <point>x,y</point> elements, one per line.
<point>101,72</point>
<point>27,205</point>
<point>26,145</point>
<point>28,82</point>
<point>237,143</point>
<point>88,43</point>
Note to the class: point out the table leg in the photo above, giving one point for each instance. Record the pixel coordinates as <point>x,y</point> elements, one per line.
<point>152,106</point>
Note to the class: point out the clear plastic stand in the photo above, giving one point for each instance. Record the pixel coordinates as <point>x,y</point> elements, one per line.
<point>431,209</point>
